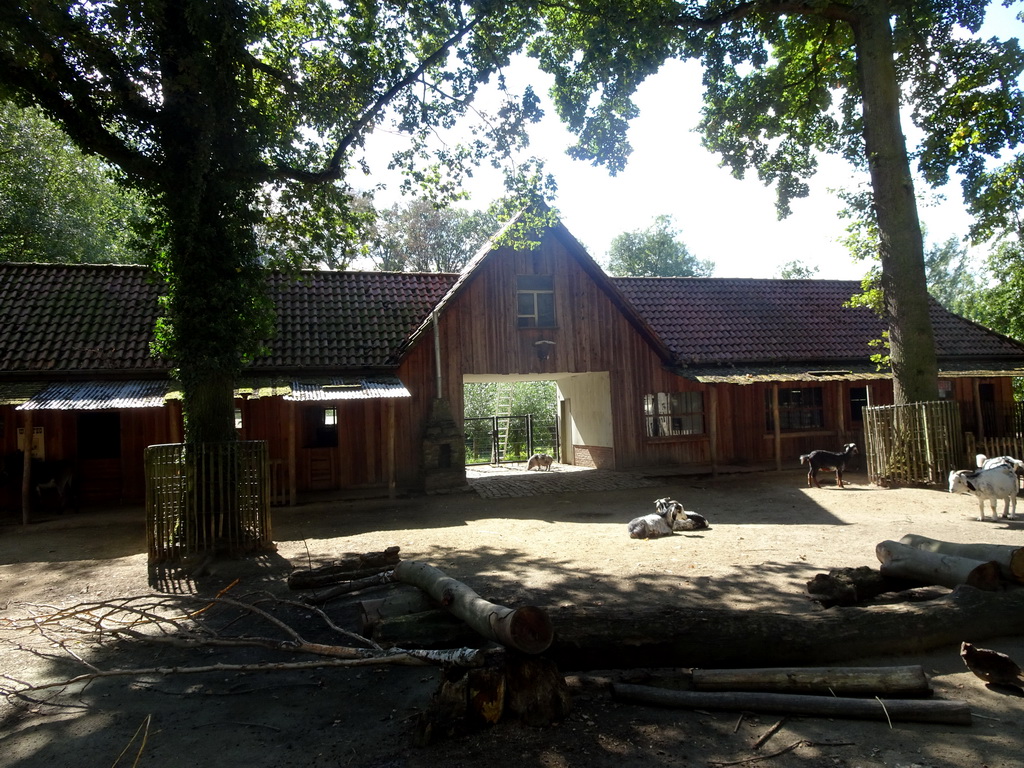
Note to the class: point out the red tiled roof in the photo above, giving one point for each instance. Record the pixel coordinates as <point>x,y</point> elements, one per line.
<point>727,321</point>
<point>58,319</point>
<point>85,319</point>
<point>348,320</point>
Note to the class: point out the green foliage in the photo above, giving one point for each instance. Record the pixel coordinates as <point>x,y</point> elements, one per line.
<point>57,204</point>
<point>243,120</point>
<point>484,400</point>
<point>797,270</point>
<point>655,252</point>
<point>422,237</point>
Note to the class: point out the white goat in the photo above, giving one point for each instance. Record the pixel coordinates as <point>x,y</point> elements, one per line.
<point>990,485</point>
<point>986,463</point>
<point>670,517</point>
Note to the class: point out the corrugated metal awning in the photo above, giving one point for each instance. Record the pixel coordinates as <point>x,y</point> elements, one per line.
<point>791,374</point>
<point>97,396</point>
<point>348,388</point>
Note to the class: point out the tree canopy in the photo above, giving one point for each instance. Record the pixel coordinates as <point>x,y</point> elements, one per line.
<point>243,122</point>
<point>56,204</point>
<point>655,252</point>
<point>422,236</point>
<point>787,80</point>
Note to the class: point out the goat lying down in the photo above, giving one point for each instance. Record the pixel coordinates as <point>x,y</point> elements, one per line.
<point>816,460</point>
<point>984,462</point>
<point>993,484</point>
<point>669,517</point>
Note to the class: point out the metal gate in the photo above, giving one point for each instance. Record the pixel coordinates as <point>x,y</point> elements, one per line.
<point>508,439</point>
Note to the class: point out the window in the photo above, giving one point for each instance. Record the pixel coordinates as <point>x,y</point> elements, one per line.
<point>321,427</point>
<point>238,418</point>
<point>668,414</point>
<point>99,435</point>
<point>799,409</point>
<point>535,301</point>
<point>858,402</point>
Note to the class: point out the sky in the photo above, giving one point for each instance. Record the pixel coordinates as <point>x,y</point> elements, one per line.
<point>729,221</point>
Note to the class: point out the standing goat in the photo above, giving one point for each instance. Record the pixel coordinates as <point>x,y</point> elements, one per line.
<point>998,482</point>
<point>827,460</point>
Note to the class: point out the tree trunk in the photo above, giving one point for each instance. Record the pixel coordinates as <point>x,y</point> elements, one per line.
<point>900,561</point>
<point>1009,557</point>
<point>902,682</point>
<point>710,637</point>
<point>891,710</point>
<point>525,629</point>
<point>912,345</point>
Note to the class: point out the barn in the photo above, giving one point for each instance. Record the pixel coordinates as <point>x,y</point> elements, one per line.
<point>361,388</point>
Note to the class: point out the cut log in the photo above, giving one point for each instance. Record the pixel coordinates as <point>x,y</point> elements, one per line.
<point>901,561</point>
<point>849,586</point>
<point>351,567</point>
<point>427,629</point>
<point>525,629</point>
<point>529,689</point>
<point>893,710</point>
<point>1009,557</point>
<point>899,682</point>
<point>348,587</point>
<point>399,602</point>
<point>600,638</point>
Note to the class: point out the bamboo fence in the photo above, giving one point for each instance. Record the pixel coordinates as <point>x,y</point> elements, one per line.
<point>913,444</point>
<point>207,497</point>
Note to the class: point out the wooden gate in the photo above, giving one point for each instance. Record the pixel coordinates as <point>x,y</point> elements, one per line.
<point>913,444</point>
<point>207,497</point>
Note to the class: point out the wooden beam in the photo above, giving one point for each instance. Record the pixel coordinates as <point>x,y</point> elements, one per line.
<point>26,471</point>
<point>778,427</point>
<point>713,427</point>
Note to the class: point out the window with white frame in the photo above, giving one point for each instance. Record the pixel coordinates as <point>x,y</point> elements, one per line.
<point>535,301</point>
<point>671,414</point>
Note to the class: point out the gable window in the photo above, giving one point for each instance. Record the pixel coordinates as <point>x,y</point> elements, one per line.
<point>799,409</point>
<point>535,301</point>
<point>669,414</point>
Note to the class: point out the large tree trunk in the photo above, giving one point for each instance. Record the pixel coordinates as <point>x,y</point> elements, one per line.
<point>710,637</point>
<point>912,346</point>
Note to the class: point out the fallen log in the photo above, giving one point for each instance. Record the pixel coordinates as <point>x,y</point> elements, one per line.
<point>902,561</point>
<point>892,710</point>
<point>900,682</point>
<point>399,602</point>
<point>1009,557</point>
<point>849,586</point>
<point>525,629</point>
<point>348,587</point>
<point>426,629</point>
<point>349,568</point>
<point>680,636</point>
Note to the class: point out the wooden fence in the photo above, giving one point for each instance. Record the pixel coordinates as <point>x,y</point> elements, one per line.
<point>914,444</point>
<point>207,497</point>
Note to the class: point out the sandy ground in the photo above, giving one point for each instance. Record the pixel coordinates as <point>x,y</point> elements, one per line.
<point>769,535</point>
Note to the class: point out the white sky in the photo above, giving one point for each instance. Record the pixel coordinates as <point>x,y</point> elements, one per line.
<point>729,221</point>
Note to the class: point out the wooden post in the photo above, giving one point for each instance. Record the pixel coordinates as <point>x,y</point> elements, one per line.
<point>713,427</point>
<point>778,427</point>
<point>977,410</point>
<point>26,470</point>
<point>392,482</point>
<point>292,471</point>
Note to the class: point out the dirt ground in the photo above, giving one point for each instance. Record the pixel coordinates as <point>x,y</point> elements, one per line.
<point>769,535</point>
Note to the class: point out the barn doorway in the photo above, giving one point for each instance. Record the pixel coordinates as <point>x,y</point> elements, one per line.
<point>570,418</point>
<point>509,421</point>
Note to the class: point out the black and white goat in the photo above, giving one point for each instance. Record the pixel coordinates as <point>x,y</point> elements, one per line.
<point>816,460</point>
<point>669,517</point>
<point>992,484</point>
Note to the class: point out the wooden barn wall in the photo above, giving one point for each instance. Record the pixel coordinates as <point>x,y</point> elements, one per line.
<point>117,478</point>
<point>479,335</point>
